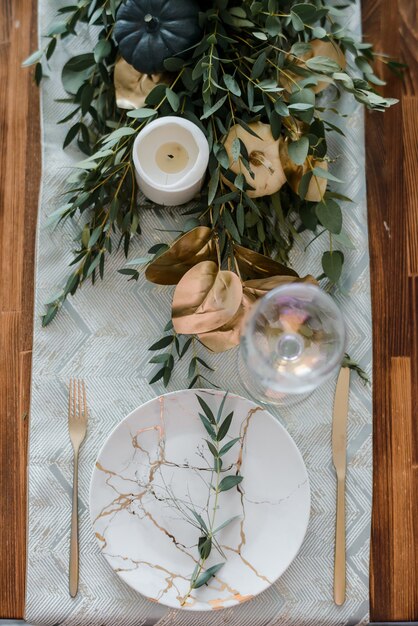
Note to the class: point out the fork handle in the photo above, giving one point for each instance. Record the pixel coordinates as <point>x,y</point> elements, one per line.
<point>74,532</point>
<point>339,563</point>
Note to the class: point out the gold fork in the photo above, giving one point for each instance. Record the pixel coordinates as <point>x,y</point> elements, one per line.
<point>77,425</point>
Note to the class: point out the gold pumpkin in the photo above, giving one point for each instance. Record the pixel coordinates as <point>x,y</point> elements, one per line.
<point>293,172</point>
<point>263,156</point>
<point>319,48</point>
<point>132,87</point>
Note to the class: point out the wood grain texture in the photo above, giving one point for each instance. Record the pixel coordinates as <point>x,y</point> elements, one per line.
<point>392,168</point>
<point>393,218</point>
<point>19,180</point>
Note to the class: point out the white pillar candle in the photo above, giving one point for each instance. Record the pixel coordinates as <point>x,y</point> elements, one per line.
<point>170,156</point>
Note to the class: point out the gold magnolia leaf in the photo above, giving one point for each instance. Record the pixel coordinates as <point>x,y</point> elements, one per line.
<point>191,248</point>
<point>132,87</point>
<point>256,265</point>
<point>259,287</point>
<point>228,336</point>
<point>205,298</point>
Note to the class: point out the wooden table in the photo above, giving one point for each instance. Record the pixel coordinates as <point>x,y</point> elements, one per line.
<point>392,174</point>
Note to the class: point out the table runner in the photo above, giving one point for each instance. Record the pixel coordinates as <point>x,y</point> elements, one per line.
<point>102,335</point>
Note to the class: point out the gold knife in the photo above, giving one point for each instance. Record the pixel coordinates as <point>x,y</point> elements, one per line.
<point>339,457</point>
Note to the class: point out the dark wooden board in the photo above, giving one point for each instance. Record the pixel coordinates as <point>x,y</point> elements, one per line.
<point>392,173</point>
<point>392,177</point>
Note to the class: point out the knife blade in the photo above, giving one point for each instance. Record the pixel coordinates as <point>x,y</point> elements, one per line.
<point>339,457</point>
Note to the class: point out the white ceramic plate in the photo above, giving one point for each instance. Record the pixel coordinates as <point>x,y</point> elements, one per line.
<point>152,455</point>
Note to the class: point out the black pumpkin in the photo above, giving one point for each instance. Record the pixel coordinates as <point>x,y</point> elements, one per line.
<point>150,31</point>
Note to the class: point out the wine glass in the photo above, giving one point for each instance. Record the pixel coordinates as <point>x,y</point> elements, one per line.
<point>293,340</point>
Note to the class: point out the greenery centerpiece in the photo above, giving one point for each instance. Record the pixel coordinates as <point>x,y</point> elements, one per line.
<point>250,75</point>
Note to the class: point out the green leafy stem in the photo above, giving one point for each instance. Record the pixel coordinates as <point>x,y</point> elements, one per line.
<point>217,428</point>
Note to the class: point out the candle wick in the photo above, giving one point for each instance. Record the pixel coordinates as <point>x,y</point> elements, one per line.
<point>170,156</point>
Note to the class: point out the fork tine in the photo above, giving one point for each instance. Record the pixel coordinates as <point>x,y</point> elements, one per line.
<point>84,400</point>
<point>70,399</point>
<point>74,409</point>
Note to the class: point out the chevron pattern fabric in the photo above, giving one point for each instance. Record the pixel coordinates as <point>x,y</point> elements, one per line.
<point>102,335</point>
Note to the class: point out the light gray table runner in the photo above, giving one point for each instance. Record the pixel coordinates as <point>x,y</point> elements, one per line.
<point>102,335</point>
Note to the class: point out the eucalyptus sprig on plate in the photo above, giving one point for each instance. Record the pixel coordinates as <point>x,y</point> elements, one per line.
<point>217,428</point>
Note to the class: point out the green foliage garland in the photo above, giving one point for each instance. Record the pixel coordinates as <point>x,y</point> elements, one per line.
<point>250,65</point>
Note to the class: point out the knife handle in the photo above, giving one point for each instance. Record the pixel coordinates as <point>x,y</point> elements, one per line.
<point>339,563</point>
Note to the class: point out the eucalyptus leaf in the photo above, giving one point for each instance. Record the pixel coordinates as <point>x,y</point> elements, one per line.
<point>207,575</point>
<point>330,216</point>
<point>229,482</point>
<point>298,150</point>
<point>332,264</point>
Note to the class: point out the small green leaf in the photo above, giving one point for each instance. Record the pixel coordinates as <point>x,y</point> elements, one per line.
<point>232,84</point>
<point>322,64</point>
<point>300,106</point>
<point>228,446</point>
<point>298,150</point>
<point>199,519</point>
<point>102,49</point>
<point>157,376</point>
<point>160,358</point>
<point>207,575</point>
<point>206,409</point>
<point>72,134</point>
<point>205,547</point>
<point>208,112</point>
<point>259,65</point>
<point>33,58</point>
<point>143,113</point>
<point>235,149</point>
<point>221,408</point>
<point>173,99</point>
<point>229,482</point>
<point>318,171</point>
<point>209,429</point>
<point>330,216</point>
<point>212,448</point>
<point>213,186</point>
<point>224,427</point>
<point>296,22</point>
<point>344,240</point>
<point>173,64</point>
<point>51,312</point>
<point>281,108</point>
<point>226,523</point>
<point>332,264</point>
<point>94,236</point>
<point>162,343</point>
<point>318,32</point>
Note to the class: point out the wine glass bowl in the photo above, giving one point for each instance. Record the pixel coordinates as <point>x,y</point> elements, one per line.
<point>292,342</point>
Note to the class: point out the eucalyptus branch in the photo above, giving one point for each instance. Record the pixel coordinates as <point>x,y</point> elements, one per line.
<point>217,428</point>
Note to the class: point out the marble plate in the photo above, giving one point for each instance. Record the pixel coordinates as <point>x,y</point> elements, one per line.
<point>156,455</point>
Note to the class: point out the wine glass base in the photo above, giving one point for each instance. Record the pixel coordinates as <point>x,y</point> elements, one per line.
<point>264,395</point>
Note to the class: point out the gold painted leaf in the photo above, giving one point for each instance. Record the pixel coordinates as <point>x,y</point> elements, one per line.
<point>228,336</point>
<point>205,298</point>
<point>256,265</point>
<point>259,287</point>
<point>191,248</point>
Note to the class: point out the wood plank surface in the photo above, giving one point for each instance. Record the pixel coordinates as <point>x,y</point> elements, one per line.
<point>392,168</point>
<point>19,180</point>
<point>392,172</point>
